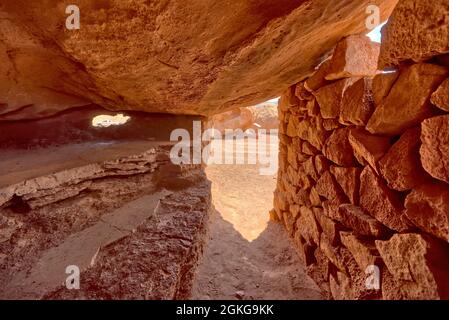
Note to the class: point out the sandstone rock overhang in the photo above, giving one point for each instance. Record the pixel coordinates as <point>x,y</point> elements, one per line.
<point>197,57</point>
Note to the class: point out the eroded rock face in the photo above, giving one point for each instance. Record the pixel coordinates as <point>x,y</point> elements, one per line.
<point>435,148</point>
<point>401,166</point>
<point>427,272</point>
<point>355,56</point>
<point>417,30</point>
<point>440,98</point>
<point>164,56</point>
<point>357,105</point>
<point>412,92</point>
<point>338,149</point>
<point>380,202</point>
<point>428,207</point>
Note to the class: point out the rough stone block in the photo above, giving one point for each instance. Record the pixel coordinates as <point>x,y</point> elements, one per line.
<point>368,148</point>
<point>401,166</point>
<point>435,147</point>
<point>307,226</point>
<point>354,56</point>
<point>329,98</point>
<point>363,251</point>
<point>417,30</point>
<point>420,259</point>
<point>380,202</point>
<point>317,80</point>
<point>357,104</point>
<point>382,84</point>
<point>440,98</point>
<point>327,187</point>
<point>363,224</point>
<point>349,181</point>
<point>338,148</point>
<point>409,100</point>
<point>427,207</point>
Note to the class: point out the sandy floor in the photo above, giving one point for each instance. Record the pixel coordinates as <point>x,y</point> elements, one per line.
<point>248,256</point>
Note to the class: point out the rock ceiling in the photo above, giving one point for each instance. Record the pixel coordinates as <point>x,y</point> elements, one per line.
<point>184,57</point>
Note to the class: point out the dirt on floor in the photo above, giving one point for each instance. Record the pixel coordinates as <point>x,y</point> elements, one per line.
<point>248,256</point>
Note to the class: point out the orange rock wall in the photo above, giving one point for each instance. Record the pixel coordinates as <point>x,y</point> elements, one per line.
<point>363,176</point>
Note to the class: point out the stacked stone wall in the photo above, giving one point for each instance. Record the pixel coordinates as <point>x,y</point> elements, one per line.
<point>363,183</point>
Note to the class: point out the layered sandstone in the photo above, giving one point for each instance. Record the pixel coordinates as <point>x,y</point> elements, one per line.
<point>197,57</point>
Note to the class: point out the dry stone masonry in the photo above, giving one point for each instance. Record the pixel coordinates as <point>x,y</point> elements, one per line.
<point>363,178</point>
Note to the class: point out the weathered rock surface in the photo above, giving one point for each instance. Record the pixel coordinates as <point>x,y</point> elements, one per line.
<point>338,148</point>
<point>440,98</point>
<point>349,180</point>
<point>418,259</point>
<point>435,147</point>
<point>380,202</point>
<point>428,208</point>
<point>416,30</point>
<point>363,251</point>
<point>408,102</point>
<point>382,84</point>
<point>354,56</point>
<point>307,226</point>
<point>368,148</point>
<point>355,219</point>
<point>174,57</point>
<point>327,187</point>
<point>329,226</point>
<point>329,98</point>
<point>401,166</point>
<point>357,104</point>
<point>158,261</point>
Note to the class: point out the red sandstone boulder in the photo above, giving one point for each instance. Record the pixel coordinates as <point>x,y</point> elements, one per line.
<point>435,147</point>
<point>329,98</point>
<point>418,259</point>
<point>427,207</point>
<point>338,149</point>
<point>440,98</point>
<point>401,166</point>
<point>349,181</point>
<point>382,84</point>
<point>357,104</point>
<point>368,148</point>
<point>354,56</point>
<point>355,219</point>
<point>408,102</point>
<point>380,202</point>
<point>417,30</point>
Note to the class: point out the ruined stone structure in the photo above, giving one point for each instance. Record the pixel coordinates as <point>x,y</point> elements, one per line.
<point>363,181</point>
<point>363,177</point>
